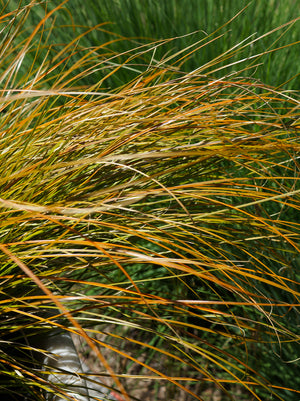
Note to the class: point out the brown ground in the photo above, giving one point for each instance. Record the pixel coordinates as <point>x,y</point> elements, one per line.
<point>136,384</point>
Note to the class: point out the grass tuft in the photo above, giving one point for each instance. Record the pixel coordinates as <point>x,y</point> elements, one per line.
<point>156,221</point>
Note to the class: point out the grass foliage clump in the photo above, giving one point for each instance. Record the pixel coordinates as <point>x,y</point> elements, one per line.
<point>156,221</point>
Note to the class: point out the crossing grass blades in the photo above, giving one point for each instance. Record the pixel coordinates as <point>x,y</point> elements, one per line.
<point>155,224</point>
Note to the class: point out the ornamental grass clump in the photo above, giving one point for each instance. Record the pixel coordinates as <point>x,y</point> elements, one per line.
<point>155,224</point>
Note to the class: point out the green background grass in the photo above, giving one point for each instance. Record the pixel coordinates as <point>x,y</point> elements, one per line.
<point>196,20</point>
